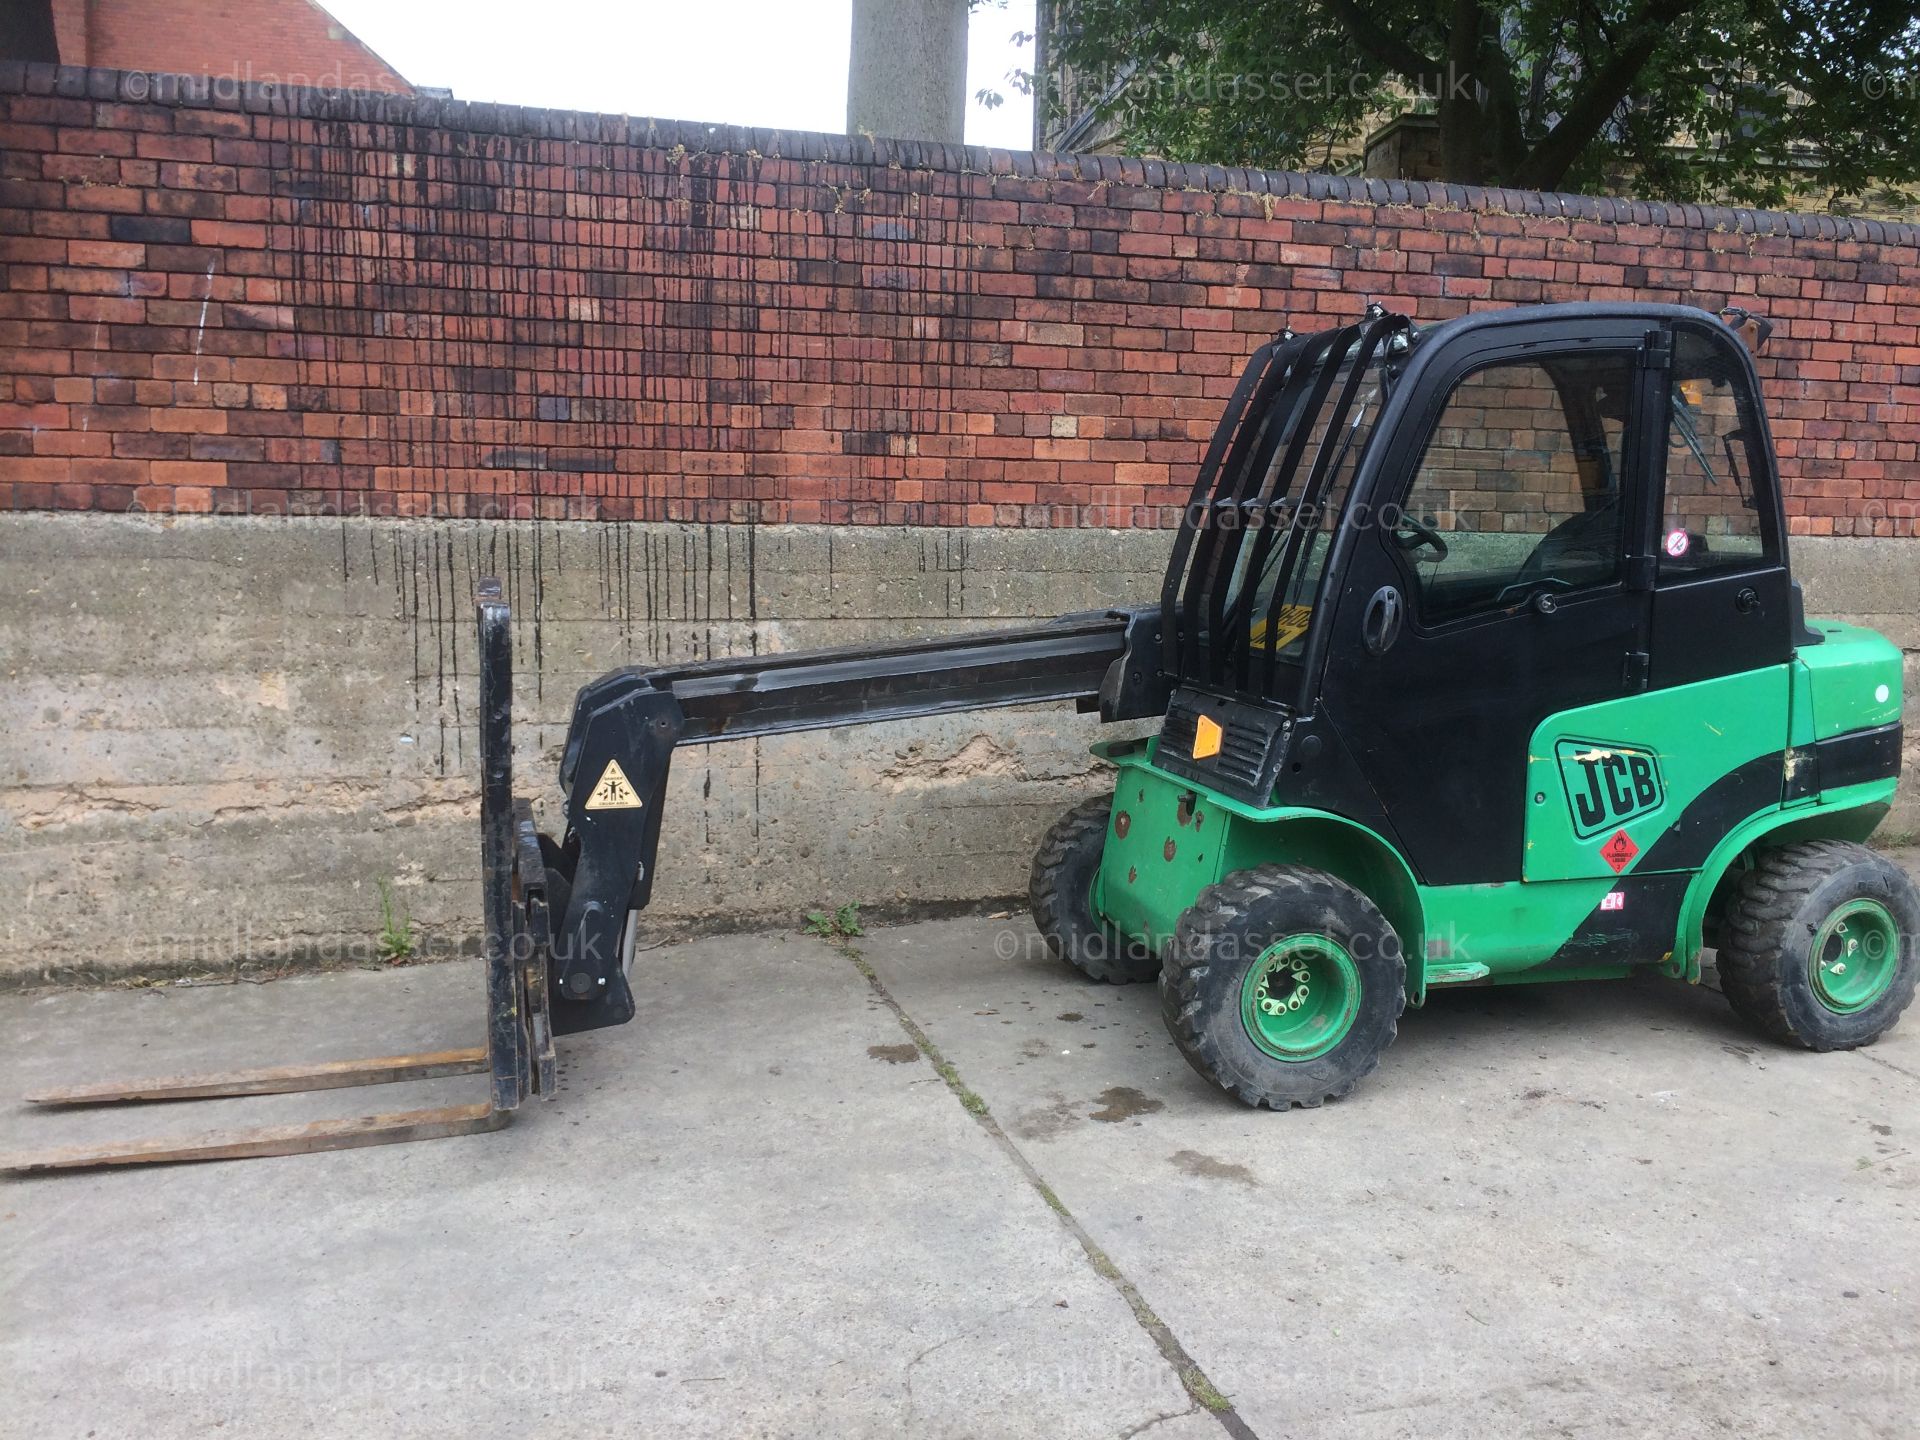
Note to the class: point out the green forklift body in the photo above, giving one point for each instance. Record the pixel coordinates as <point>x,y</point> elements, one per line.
<point>1494,622</point>
<point>1169,838</point>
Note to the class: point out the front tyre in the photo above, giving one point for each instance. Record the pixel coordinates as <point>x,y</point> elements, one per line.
<point>1821,944</point>
<point>1284,986</point>
<point>1060,892</point>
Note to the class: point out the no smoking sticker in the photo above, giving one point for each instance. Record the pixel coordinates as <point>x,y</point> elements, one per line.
<point>1676,543</point>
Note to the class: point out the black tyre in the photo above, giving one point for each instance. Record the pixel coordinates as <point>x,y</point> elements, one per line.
<point>1060,892</point>
<point>1284,986</point>
<point>1821,944</point>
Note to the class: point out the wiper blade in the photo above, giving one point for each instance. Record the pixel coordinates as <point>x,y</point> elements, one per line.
<point>1689,432</point>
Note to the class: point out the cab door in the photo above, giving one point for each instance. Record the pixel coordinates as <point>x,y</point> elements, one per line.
<point>1649,784</point>
<point>1503,577</point>
<point>1722,597</point>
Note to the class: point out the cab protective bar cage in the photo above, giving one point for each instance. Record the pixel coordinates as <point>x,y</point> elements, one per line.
<point>1207,599</point>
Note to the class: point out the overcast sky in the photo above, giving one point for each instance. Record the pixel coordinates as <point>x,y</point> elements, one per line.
<point>773,63</point>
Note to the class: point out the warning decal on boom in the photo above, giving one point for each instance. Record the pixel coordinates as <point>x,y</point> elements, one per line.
<point>612,791</point>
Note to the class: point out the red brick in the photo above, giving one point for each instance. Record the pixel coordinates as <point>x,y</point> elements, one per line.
<point>190,420</point>
<point>173,147</point>
<point>177,175</point>
<point>229,235</point>
<point>104,252</point>
<point>110,472</point>
<point>189,472</point>
<point>912,347</point>
<point>87,282</point>
<point>33,417</point>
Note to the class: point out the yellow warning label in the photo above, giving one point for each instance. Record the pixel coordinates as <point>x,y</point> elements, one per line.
<point>1289,625</point>
<point>1206,738</point>
<point>612,792</point>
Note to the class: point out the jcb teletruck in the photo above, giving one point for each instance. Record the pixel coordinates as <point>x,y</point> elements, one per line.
<point>1479,661</point>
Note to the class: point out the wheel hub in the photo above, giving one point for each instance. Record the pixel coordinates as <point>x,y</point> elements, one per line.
<point>1281,989</point>
<point>1300,997</point>
<point>1854,956</point>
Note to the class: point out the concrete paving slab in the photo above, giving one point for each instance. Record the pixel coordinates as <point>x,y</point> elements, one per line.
<point>1574,1209</point>
<point>749,1213</point>
<point>1567,1209</point>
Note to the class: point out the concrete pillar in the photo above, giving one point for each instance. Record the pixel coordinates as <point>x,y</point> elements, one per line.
<point>907,73</point>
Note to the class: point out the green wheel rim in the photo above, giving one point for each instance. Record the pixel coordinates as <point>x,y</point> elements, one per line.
<point>1855,956</point>
<point>1300,998</point>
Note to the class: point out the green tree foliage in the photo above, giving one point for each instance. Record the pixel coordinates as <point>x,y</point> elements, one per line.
<point>1681,99</point>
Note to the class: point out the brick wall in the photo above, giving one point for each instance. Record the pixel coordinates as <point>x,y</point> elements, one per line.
<point>240,298</point>
<point>1502,457</point>
<point>286,42</point>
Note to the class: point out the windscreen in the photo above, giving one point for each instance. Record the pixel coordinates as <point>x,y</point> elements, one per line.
<point>1291,572</point>
<point>1262,531</point>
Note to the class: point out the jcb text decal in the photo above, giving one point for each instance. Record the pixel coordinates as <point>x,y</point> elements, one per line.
<point>1608,784</point>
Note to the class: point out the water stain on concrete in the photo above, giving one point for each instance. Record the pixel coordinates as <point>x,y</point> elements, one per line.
<point>1123,1102</point>
<point>895,1054</point>
<point>1206,1167</point>
<point>1047,1122</point>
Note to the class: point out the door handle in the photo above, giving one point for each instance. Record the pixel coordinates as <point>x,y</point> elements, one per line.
<point>1746,600</point>
<point>1381,625</point>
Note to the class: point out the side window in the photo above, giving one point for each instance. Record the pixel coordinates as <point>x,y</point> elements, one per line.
<point>1709,521</point>
<point>1519,489</point>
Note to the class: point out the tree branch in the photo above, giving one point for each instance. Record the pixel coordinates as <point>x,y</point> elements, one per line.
<point>1550,160</point>
<point>1462,120</point>
<point>1383,47</point>
<point>1504,107</point>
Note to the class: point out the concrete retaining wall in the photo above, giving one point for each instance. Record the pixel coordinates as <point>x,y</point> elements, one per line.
<point>219,736</point>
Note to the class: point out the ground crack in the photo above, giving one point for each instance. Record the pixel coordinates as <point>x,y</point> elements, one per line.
<point>1192,1378</point>
<point>1887,1064</point>
<point>966,1334</point>
<point>1153,1420</point>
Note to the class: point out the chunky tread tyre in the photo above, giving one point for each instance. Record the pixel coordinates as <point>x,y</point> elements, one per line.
<point>1776,909</point>
<point>1060,893</point>
<point>1226,930</point>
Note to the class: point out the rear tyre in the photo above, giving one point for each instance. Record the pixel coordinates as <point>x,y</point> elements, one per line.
<point>1821,944</point>
<point>1284,986</point>
<point>1060,893</point>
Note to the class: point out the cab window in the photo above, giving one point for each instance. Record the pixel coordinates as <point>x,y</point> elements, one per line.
<point>1709,521</point>
<point>1286,635</point>
<point>1519,489</point>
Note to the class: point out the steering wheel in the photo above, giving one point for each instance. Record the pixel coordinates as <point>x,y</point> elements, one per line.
<point>1423,534</point>
<point>1564,543</point>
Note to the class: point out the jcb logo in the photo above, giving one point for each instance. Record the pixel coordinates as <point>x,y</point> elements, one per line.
<point>1608,784</point>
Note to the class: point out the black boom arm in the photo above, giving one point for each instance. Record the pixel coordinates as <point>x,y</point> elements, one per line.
<point>626,724</point>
